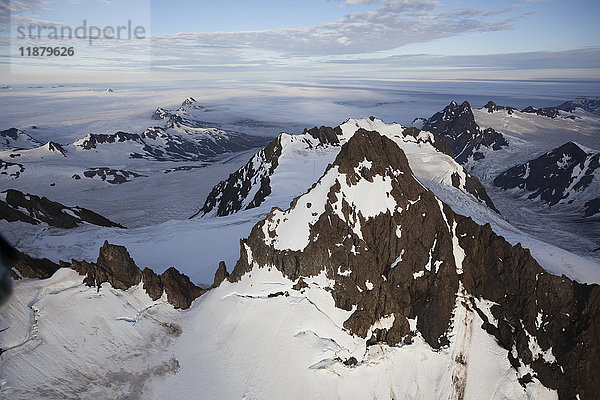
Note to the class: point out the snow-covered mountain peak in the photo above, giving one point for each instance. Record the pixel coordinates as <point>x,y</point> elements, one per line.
<point>190,104</point>
<point>396,267</point>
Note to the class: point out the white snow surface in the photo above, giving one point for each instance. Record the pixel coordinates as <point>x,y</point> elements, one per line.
<point>235,342</point>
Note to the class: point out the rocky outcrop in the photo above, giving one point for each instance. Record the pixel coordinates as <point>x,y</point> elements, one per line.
<point>456,125</point>
<point>115,266</point>
<point>180,291</point>
<point>592,207</point>
<point>325,134</point>
<point>10,169</point>
<point>493,107</point>
<point>550,112</point>
<point>221,274</point>
<point>30,267</point>
<point>562,175</point>
<point>113,176</point>
<point>398,253</point>
<point>17,206</point>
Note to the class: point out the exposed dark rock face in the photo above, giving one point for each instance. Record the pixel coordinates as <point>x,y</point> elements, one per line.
<point>115,266</point>
<point>221,274</point>
<point>181,292</point>
<point>12,170</point>
<point>456,125</point>
<point>557,176</point>
<point>152,284</point>
<point>228,196</point>
<point>32,209</point>
<point>29,267</point>
<point>325,134</point>
<point>493,107</point>
<point>16,139</point>
<point>589,104</point>
<point>550,112</point>
<point>113,176</point>
<point>93,139</point>
<point>418,259</point>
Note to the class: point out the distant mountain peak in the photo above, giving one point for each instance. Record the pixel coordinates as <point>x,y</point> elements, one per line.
<point>590,104</point>
<point>456,125</point>
<point>190,102</point>
<point>568,174</point>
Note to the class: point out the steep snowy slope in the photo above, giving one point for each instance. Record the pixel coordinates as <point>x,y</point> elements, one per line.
<point>291,163</point>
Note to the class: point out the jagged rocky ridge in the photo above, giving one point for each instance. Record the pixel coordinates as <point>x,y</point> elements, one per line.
<point>18,206</point>
<point>563,175</point>
<point>115,266</point>
<point>397,253</point>
<point>251,185</point>
<point>456,125</point>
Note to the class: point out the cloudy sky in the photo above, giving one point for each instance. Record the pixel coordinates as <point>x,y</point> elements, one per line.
<point>307,40</point>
